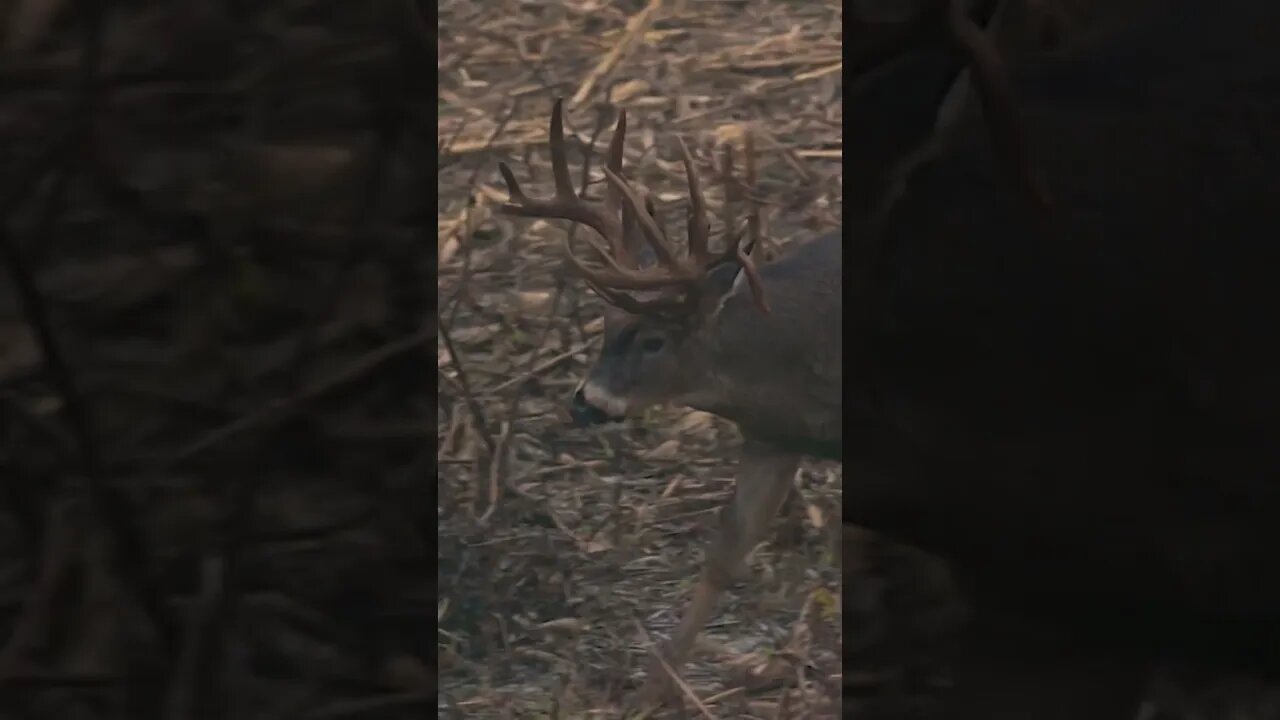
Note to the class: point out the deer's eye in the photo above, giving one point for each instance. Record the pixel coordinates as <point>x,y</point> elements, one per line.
<point>651,344</point>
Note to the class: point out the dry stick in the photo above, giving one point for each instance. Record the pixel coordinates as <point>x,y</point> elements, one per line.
<point>636,26</point>
<point>675,677</point>
<point>532,370</point>
<point>500,456</point>
<point>493,136</point>
<point>466,223</point>
<point>76,125</point>
<point>109,505</point>
<point>536,70</point>
<point>497,470</point>
<point>784,706</point>
<point>62,539</point>
<point>731,192</point>
<point>445,154</point>
<point>545,365</point>
<point>754,229</point>
<point>825,70</point>
<point>794,161</point>
<point>181,701</point>
<point>281,409</point>
<point>375,707</point>
<point>464,278</point>
<point>500,451</point>
<point>101,617</point>
<point>40,680</point>
<point>356,241</point>
<point>55,364</point>
<point>473,405</point>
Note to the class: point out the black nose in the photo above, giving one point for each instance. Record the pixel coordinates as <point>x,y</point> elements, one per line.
<point>584,414</point>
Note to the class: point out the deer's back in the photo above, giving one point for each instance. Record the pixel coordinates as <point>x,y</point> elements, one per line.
<point>778,375</point>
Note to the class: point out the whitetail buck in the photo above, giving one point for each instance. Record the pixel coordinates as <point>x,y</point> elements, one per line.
<point>1065,356</point>
<point>758,346</point>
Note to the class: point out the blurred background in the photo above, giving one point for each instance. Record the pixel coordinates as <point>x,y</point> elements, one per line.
<point>558,544</point>
<point>902,607</point>
<point>214,296</point>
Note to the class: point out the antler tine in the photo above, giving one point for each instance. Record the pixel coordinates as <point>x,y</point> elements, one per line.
<point>607,283</point>
<point>733,250</point>
<point>613,201</point>
<point>623,279</point>
<point>565,204</point>
<point>560,159</point>
<point>698,226</point>
<point>626,211</point>
<point>614,162</point>
<point>652,234</point>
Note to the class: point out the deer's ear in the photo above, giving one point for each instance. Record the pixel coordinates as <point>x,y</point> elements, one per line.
<point>718,283</point>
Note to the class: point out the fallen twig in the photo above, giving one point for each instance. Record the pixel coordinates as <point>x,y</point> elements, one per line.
<point>672,674</point>
<point>636,26</point>
<point>473,405</point>
<point>184,687</point>
<point>62,537</point>
<point>545,365</point>
<point>374,707</point>
<point>282,409</point>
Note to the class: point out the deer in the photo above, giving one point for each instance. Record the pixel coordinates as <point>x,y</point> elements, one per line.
<point>1064,361</point>
<point>688,330</point>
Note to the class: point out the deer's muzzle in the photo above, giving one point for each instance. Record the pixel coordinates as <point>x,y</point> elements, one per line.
<point>584,413</point>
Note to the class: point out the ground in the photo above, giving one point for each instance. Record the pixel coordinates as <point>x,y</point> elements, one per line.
<point>565,553</point>
<point>215,456</point>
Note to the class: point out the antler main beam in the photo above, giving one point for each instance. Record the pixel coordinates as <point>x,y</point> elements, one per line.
<point>624,213</point>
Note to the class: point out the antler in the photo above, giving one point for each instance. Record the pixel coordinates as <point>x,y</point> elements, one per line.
<point>624,213</point>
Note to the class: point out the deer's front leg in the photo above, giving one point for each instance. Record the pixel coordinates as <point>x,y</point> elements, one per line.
<point>764,477</point>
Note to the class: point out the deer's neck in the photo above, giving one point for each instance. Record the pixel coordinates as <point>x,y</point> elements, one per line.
<point>795,404</point>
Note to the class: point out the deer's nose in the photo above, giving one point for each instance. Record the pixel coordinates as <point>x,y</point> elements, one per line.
<point>584,413</point>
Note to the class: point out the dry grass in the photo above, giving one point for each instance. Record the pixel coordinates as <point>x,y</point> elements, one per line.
<point>563,551</point>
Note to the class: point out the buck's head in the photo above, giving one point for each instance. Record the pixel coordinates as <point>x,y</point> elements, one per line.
<point>658,304</point>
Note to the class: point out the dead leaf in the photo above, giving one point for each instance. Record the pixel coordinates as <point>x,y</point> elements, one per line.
<point>828,603</point>
<point>729,134</point>
<point>567,625</point>
<point>669,450</point>
<point>624,91</point>
<point>448,248</point>
<point>533,301</point>
<point>695,422</point>
<point>816,516</point>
